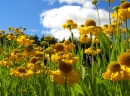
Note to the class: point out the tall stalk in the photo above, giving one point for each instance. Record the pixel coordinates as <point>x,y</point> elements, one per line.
<point>98,14</point>
<point>109,12</point>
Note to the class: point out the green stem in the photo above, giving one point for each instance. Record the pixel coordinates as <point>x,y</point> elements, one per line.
<point>66,87</point>
<point>72,36</point>
<point>92,58</point>
<point>109,11</point>
<point>98,14</point>
<point>127,36</point>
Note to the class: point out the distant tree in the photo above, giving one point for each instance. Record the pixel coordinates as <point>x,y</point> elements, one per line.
<point>36,39</point>
<point>42,38</point>
<point>54,40</point>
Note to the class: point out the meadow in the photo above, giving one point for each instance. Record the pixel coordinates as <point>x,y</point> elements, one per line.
<point>66,68</point>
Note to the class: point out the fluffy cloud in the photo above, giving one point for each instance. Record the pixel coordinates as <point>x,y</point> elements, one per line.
<point>60,33</point>
<point>50,1</point>
<point>73,1</point>
<point>68,1</point>
<point>54,18</point>
<point>32,31</point>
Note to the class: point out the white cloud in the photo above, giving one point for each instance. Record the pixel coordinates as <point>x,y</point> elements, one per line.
<point>68,1</point>
<point>73,1</point>
<point>61,34</point>
<point>50,1</point>
<point>32,30</point>
<point>88,4</point>
<point>54,18</point>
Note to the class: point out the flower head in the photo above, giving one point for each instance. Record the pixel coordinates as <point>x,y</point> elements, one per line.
<point>70,24</point>
<point>108,0</point>
<point>84,39</point>
<point>124,59</point>
<point>21,72</point>
<point>24,41</point>
<point>48,38</point>
<point>90,28</point>
<point>123,11</point>
<point>33,60</point>
<point>68,46</point>
<point>125,5</point>
<point>90,23</point>
<point>59,47</point>
<point>114,72</point>
<point>65,71</point>
<point>65,67</point>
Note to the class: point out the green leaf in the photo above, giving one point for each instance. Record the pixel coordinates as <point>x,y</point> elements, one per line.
<point>78,89</point>
<point>105,43</point>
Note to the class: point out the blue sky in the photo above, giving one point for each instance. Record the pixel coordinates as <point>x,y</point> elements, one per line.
<point>45,17</point>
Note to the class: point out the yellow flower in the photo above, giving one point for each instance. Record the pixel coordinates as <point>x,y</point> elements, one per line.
<point>32,66</point>
<point>33,60</point>
<point>67,55</point>
<point>59,47</point>
<point>11,36</point>
<point>123,12</point>
<point>84,39</point>
<point>21,72</point>
<point>44,43</point>
<point>70,24</point>
<point>124,59</point>
<point>65,72</point>
<point>49,50</point>
<point>48,38</point>
<point>5,62</point>
<point>28,52</point>
<point>115,73</point>
<point>73,60</point>
<point>91,50</point>
<point>57,56</point>
<point>108,0</point>
<point>123,30</point>
<point>90,28</point>
<point>37,48</point>
<point>18,31</point>
<point>125,5</point>
<point>1,35</point>
<point>117,22</point>
<point>88,51</point>
<point>10,28</point>
<point>24,41</point>
<point>90,23</point>
<point>15,55</point>
<point>2,31</point>
<point>68,46</point>
<point>109,29</point>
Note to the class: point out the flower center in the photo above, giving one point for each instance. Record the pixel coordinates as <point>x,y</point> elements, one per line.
<point>29,50</point>
<point>124,59</point>
<point>69,21</point>
<point>105,25</point>
<point>59,47</point>
<point>33,60</point>
<point>90,23</point>
<point>113,26</point>
<point>124,5</point>
<point>15,51</point>
<point>21,69</point>
<point>65,66</point>
<point>114,66</point>
<point>67,42</point>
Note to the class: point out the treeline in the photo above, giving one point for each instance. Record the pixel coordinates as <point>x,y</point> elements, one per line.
<point>54,40</point>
